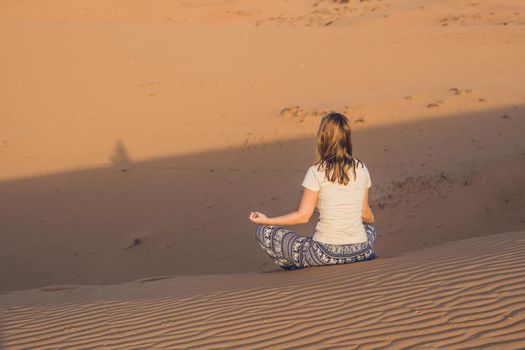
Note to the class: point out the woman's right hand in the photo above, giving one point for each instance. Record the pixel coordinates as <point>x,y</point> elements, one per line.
<point>258,218</point>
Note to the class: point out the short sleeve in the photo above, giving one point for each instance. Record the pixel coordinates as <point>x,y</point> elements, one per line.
<point>310,181</point>
<point>368,179</point>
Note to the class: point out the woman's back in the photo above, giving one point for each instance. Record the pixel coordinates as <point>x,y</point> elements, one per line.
<point>340,206</point>
<point>337,184</point>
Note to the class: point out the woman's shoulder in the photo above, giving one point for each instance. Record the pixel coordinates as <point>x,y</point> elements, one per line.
<point>315,169</point>
<point>319,170</point>
<point>360,166</point>
<point>360,163</point>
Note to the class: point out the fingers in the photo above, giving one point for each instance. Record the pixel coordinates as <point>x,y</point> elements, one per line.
<point>257,217</point>
<point>253,216</point>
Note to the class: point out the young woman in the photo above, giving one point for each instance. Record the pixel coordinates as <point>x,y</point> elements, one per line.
<point>338,185</point>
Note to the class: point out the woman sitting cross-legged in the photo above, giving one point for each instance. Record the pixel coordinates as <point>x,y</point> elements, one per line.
<point>338,184</point>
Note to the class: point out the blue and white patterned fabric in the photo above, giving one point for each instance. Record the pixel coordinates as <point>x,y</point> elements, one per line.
<point>291,250</point>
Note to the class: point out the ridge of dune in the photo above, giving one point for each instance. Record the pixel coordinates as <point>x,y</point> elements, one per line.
<point>466,294</point>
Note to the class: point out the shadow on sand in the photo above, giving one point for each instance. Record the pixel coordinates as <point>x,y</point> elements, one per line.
<point>188,214</point>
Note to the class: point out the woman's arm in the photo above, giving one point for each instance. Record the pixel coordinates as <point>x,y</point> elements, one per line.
<point>367,216</point>
<point>300,216</point>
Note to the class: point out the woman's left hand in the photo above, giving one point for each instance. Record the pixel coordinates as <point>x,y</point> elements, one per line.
<point>258,218</point>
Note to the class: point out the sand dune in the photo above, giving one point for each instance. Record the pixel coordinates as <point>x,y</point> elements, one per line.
<point>460,295</point>
<point>135,137</point>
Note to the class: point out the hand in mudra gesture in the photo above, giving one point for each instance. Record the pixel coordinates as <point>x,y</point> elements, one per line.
<point>258,217</point>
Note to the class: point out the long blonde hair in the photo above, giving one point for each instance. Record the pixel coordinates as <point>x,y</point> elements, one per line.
<point>334,148</point>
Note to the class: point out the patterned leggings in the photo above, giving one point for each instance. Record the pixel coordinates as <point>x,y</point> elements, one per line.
<point>292,251</point>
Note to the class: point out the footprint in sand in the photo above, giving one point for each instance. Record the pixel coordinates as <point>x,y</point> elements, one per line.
<point>135,243</point>
<point>457,91</point>
<point>289,112</point>
<point>359,120</point>
<point>300,114</point>
<point>434,104</point>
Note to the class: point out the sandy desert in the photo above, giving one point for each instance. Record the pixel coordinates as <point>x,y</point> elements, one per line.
<point>136,136</point>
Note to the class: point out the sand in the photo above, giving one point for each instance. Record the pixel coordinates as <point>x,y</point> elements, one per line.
<point>135,138</point>
<point>462,295</point>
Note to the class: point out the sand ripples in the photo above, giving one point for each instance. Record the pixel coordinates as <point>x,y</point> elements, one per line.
<point>468,294</point>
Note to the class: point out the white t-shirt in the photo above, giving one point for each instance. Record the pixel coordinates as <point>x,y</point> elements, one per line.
<point>340,206</point>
